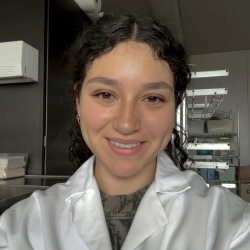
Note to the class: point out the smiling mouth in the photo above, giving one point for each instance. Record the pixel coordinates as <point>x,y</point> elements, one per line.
<point>122,145</point>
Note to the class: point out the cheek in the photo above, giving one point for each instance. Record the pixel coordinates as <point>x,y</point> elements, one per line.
<point>94,118</point>
<point>161,124</point>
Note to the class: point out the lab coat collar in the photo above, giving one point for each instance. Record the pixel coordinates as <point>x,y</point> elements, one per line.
<point>168,178</point>
<point>81,180</point>
<point>83,189</point>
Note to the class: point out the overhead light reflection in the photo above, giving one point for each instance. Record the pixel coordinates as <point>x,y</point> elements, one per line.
<point>228,185</point>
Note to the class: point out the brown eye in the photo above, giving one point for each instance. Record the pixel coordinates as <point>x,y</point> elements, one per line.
<point>105,95</point>
<point>153,99</point>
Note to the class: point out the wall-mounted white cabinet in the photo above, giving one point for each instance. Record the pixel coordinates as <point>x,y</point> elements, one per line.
<point>18,62</point>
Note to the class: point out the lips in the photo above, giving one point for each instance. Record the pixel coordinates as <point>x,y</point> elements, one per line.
<point>122,145</point>
<point>125,147</point>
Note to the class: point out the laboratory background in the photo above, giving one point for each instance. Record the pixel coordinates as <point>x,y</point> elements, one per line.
<point>34,108</point>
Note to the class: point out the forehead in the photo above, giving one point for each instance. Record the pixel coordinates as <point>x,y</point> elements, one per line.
<point>131,60</point>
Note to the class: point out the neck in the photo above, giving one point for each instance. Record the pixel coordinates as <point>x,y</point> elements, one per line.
<point>115,185</point>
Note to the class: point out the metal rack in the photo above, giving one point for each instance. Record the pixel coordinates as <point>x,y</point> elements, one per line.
<point>212,97</point>
<point>213,161</point>
<point>190,109</point>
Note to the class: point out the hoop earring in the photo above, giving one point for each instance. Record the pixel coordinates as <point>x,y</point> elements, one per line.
<point>78,119</point>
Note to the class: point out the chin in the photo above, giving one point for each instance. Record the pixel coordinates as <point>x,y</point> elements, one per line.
<point>124,171</point>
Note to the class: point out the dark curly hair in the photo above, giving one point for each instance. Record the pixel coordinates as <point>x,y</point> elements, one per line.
<point>100,38</point>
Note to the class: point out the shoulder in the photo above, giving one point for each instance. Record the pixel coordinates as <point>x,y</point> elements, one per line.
<point>32,207</point>
<point>214,198</point>
<point>29,216</point>
<point>200,187</point>
<point>216,209</point>
<point>56,198</point>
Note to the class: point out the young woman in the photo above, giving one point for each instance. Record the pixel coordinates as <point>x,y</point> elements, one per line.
<point>128,77</point>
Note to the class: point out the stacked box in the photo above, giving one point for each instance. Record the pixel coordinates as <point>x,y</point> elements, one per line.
<point>244,176</point>
<point>227,174</point>
<point>245,191</point>
<point>195,126</point>
<point>220,126</point>
<point>207,173</point>
<point>12,165</point>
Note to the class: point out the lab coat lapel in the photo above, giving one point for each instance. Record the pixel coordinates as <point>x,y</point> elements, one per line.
<point>145,223</point>
<point>87,214</point>
<point>157,202</point>
<point>89,220</point>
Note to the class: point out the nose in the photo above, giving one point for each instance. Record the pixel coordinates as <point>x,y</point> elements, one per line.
<point>127,118</point>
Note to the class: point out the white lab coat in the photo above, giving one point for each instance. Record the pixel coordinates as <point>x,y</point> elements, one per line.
<point>177,212</point>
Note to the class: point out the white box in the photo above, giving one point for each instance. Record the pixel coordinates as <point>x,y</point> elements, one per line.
<point>195,126</point>
<point>228,174</point>
<point>18,62</point>
<point>220,126</point>
<point>12,162</point>
<point>11,173</point>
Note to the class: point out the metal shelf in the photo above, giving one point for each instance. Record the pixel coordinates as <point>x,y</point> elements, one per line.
<point>214,73</point>
<point>220,181</point>
<point>204,110</point>
<point>211,135</point>
<point>210,105</point>
<point>205,92</point>
<point>207,164</point>
<point>208,146</point>
<point>213,158</point>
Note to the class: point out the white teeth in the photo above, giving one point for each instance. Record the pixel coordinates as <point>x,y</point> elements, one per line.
<point>121,145</point>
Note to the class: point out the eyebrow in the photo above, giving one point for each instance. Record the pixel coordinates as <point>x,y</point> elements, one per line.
<point>150,85</point>
<point>157,85</point>
<point>104,80</point>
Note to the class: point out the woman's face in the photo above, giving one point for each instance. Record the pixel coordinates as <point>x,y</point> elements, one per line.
<point>127,109</point>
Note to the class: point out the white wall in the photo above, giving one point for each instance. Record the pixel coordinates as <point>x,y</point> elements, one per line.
<point>238,85</point>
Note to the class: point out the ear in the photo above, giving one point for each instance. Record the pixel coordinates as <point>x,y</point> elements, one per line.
<point>77,98</point>
<point>78,105</point>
